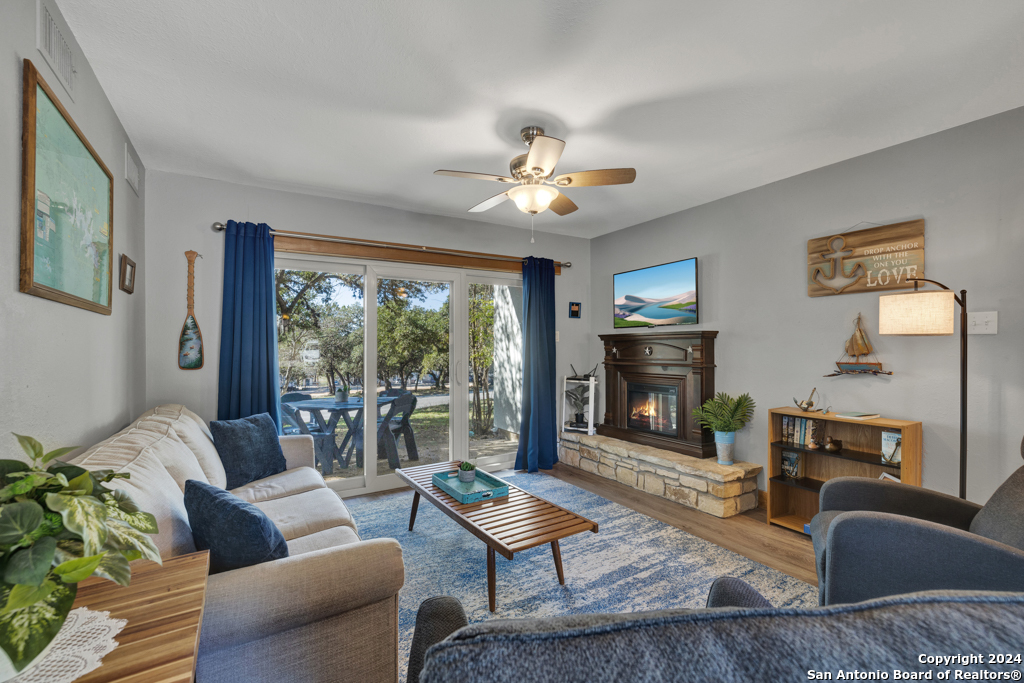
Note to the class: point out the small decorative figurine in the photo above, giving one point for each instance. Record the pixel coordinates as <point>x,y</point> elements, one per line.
<point>808,405</point>
<point>833,445</point>
<point>812,445</point>
<point>850,363</point>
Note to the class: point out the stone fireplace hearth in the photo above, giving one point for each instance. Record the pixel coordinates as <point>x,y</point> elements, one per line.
<point>719,490</point>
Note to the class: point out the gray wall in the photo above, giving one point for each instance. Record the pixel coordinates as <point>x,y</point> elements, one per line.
<point>776,342</point>
<point>69,376</point>
<point>180,210</point>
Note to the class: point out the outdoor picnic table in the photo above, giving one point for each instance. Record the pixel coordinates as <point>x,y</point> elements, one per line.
<point>339,410</point>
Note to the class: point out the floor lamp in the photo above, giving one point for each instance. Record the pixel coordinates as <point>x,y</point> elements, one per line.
<point>931,313</point>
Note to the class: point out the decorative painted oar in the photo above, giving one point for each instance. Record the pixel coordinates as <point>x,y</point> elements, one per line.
<point>190,346</point>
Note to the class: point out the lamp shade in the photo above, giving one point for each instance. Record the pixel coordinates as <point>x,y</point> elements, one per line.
<point>532,199</point>
<point>917,313</point>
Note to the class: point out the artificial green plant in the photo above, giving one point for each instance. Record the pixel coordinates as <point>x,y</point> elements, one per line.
<point>579,397</point>
<point>59,525</point>
<point>724,413</point>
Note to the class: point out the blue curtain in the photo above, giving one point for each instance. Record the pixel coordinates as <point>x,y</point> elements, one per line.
<point>538,433</point>
<point>248,331</point>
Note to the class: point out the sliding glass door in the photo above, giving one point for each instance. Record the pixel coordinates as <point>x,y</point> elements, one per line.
<point>321,327</point>
<point>397,366</point>
<point>495,383</point>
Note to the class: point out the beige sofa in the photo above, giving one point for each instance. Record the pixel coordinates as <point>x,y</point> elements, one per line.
<point>328,612</point>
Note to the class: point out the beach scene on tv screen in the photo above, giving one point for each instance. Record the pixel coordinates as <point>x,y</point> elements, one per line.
<point>660,295</point>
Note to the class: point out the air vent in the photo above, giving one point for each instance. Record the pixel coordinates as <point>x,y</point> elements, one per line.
<point>53,39</point>
<point>131,169</point>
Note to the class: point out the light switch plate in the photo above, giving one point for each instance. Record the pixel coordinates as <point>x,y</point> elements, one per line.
<point>983,323</point>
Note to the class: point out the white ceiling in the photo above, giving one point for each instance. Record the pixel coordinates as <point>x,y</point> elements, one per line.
<point>364,100</point>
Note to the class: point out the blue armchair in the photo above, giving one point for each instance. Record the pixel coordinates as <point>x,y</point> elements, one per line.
<point>874,539</point>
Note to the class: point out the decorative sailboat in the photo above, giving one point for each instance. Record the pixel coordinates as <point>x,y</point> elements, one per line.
<point>850,363</point>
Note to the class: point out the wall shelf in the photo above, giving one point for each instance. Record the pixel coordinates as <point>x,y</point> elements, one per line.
<point>793,502</point>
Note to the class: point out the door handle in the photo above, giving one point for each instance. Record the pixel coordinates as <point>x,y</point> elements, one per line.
<point>458,364</point>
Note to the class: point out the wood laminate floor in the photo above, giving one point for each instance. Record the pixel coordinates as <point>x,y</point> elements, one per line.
<point>747,534</point>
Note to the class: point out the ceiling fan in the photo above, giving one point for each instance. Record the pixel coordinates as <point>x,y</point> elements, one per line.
<point>533,173</point>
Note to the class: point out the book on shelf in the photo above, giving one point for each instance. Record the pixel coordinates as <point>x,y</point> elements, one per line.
<point>792,465</point>
<point>892,443</point>
<point>853,415</point>
<point>784,434</point>
<point>885,476</point>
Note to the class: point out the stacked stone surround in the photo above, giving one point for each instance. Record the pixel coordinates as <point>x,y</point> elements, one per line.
<point>703,484</point>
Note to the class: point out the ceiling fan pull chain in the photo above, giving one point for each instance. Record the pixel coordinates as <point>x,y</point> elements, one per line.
<point>532,216</point>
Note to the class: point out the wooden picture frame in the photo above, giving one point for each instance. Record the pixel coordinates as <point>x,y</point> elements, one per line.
<point>80,184</point>
<point>128,270</point>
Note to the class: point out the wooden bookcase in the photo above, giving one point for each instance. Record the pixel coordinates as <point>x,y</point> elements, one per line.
<point>793,502</point>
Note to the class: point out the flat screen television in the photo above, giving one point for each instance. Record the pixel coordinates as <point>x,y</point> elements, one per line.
<point>659,295</point>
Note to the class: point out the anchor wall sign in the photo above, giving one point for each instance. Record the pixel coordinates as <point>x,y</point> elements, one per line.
<point>871,260</point>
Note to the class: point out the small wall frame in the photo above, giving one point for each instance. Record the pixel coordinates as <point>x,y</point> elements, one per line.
<point>128,271</point>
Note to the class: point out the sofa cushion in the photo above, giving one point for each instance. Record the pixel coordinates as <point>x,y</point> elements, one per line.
<point>307,513</point>
<point>236,533</point>
<point>1002,518</point>
<point>194,433</point>
<point>176,457</point>
<point>249,448</point>
<point>150,484</point>
<point>287,483</point>
<point>321,540</point>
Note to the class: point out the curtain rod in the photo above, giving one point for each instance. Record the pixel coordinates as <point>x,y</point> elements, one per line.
<point>220,227</point>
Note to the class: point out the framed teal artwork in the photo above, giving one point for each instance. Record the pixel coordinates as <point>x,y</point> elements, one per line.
<point>67,206</point>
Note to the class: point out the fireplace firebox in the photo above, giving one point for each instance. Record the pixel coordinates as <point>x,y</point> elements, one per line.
<point>654,381</point>
<point>652,408</point>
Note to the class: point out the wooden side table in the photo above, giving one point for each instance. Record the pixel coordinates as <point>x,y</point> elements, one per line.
<point>164,609</point>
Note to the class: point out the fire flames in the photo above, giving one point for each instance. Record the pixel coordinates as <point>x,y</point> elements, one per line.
<point>645,416</point>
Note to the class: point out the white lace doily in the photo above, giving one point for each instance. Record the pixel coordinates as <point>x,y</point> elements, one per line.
<point>80,646</point>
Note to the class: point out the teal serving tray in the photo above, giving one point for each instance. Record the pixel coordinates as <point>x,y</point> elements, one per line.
<point>484,487</point>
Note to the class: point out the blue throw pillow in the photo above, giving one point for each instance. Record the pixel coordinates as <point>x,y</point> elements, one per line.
<point>237,534</point>
<point>249,448</point>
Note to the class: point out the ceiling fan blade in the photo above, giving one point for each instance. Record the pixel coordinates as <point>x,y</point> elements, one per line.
<point>477,176</point>
<point>490,203</point>
<point>562,205</point>
<point>544,154</point>
<point>608,176</point>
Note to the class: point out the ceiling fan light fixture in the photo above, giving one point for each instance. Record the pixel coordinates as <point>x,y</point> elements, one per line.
<point>532,199</point>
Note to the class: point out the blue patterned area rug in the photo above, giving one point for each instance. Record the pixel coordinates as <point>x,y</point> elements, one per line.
<point>635,563</point>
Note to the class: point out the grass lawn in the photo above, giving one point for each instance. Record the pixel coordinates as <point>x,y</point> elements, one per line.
<point>678,307</point>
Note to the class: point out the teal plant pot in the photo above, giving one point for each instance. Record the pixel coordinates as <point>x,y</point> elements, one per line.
<point>724,442</point>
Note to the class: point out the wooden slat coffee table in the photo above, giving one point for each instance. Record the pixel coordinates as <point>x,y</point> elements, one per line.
<point>506,525</point>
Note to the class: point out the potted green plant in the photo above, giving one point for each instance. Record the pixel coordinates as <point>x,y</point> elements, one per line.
<point>59,525</point>
<point>725,416</point>
<point>341,392</point>
<point>467,472</point>
<point>579,399</point>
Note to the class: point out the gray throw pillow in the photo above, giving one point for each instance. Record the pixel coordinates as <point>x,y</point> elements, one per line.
<point>249,448</point>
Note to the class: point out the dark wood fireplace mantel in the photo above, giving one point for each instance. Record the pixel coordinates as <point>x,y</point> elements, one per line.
<point>683,363</point>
